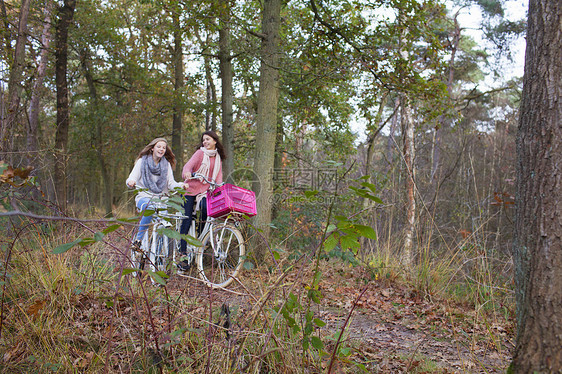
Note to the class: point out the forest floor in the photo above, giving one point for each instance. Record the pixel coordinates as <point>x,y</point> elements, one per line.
<point>389,327</point>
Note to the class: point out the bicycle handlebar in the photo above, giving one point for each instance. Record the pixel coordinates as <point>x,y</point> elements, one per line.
<point>211,183</point>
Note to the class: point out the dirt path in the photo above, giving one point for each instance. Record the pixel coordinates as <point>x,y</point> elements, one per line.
<point>391,329</point>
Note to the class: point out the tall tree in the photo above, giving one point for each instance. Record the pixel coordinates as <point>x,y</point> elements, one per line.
<point>225,63</point>
<point>97,119</point>
<point>34,106</point>
<point>266,123</point>
<point>177,117</point>
<point>15,83</point>
<point>65,15</point>
<point>537,249</point>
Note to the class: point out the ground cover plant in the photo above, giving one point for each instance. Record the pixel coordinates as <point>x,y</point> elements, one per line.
<point>72,303</point>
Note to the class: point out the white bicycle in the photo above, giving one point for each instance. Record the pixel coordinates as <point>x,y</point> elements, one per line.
<point>218,251</point>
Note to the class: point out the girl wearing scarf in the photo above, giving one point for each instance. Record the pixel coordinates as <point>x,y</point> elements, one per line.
<point>152,173</point>
<point>207,160</point>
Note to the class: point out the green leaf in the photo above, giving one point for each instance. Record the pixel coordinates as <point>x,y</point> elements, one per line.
<point>177,207</point>
<point>148,212</point>
<point>345,351</point>
<point>316,342</point>
<point>366,231</point>
<point>314,295</point>
<point>86,241</point>
<point>318,322</point>
<point>65,247</point>
<point>305,343</point>
<point>310,194</point>
<point>176,198</point>
<point>111,228</point>
<point>130,271</point>
<point>370,186</point>
<point>308,328</point>
<point>178,332</point>
<point>349,242</point>
<point>98,236</point>
<point>331,242</point>
<point>173,234</point>
<point>132,219</point>
<point>316,280</point>
<point>248,265</point>
<point>331,227</point>
<point>157,277</point>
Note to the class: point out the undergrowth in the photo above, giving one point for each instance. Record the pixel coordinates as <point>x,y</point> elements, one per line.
<point>71,302</point>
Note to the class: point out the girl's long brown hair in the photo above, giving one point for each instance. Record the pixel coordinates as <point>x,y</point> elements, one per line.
<point>169,154</point>
<point>220,148</point>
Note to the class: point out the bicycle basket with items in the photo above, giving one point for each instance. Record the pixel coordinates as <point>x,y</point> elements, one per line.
<point>229,198</point>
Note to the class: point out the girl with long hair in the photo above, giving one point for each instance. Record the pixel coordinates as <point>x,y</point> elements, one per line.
<point>153,174</point>
<point>207,160</point>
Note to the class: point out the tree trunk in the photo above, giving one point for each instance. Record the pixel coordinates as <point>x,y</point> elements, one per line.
<point>98,121</point>
<point>372,135</point>
<point>442,122</point>
<point>210,113</point>
<point>266,123</point>
<point>15,82</point>
<point>177,120</point>
<point>32,146</point>
<point>6,32</point>
<point>390,144</point>
<point>227,95</point>
<point>66,13</point>
<point>409,178</point>
<point>537,249</point>
<point>211,91</point>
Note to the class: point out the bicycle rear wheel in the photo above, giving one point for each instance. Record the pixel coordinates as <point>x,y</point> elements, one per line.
<point>222,255</point>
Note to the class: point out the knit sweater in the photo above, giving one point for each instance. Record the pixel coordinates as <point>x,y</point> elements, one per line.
<point>136,177</point>
<point>195,185</point>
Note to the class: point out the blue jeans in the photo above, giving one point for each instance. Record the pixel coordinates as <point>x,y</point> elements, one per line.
<point>188,206</point>
<point>142,204</point>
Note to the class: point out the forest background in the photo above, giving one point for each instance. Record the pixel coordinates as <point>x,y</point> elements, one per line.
<point>379,128</point>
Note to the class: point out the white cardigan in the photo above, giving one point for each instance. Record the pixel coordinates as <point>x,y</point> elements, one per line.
<point>136,177</point>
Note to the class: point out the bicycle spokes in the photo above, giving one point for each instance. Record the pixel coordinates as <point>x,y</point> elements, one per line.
<point>221,256</point>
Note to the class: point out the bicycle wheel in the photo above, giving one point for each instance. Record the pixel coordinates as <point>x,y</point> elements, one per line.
<point>161,252</point>
<point>222,255</point>
<point>138,254</point>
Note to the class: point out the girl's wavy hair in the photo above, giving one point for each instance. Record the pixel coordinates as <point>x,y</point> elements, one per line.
<point>220,147</point>
<point>169,154</point>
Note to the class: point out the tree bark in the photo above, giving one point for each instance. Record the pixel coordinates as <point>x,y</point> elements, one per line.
<point>177,120</point>
<point>33,126</point>
<point>65,15</point>
<point>226,74</point>
<point>390,144</point>
<point>537,249</point>
<point>210,113</point>
<point>98,121</point>
<point>266,122</point>
<point>409,155</point>
<point>6,32</point>
<point>15,82</point>
<point>436,158</point>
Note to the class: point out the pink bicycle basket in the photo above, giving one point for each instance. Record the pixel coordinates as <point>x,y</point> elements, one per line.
<point>229,198</point>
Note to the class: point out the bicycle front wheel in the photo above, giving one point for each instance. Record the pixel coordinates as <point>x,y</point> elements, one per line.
<point>222,255</point>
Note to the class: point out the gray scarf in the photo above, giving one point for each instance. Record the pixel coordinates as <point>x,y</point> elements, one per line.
<point>149,168</point>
